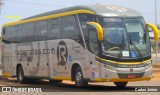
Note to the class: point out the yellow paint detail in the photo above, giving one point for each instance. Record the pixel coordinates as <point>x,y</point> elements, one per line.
<point>99,30</point>
<point>129,80</point>
<point>100,79</point>
<point>49,16</point>
<point>61,78</point>
<point>155,30</point>
<point>13,17</point>
<point>124,62</point>
<point>5,74</point>
<point>114,48</point>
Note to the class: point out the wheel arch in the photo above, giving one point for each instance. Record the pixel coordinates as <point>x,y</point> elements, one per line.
<point>73,68</point>
<point>18,65</point>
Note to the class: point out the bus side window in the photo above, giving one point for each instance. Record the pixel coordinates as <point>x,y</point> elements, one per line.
<point>4,32</point>
<point>54,31</point>
<point>83,19</point>
<point>28,32</point>
<point>17,34</point>
<point>41,30</point>
<point>7,35</point>
<point>69,29</point>
<point>93,42</point>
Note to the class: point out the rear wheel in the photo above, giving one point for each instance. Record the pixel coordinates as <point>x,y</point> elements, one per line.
<point>20,74</point>
<point>121,84</point>
<point>55,82</point>
<point>79,81</point>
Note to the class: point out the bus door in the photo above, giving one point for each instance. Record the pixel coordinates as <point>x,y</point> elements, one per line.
<point>93,46</point>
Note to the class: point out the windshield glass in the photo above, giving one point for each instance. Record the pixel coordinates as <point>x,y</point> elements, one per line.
<point>138,37</point>
<point>124,38</point>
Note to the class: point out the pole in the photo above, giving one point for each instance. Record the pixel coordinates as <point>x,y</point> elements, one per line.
<point>1,3</point>
<point>156,25</point>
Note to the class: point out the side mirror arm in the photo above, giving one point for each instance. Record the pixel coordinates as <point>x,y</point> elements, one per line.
<point>99,30</point>
<point>155,30</point>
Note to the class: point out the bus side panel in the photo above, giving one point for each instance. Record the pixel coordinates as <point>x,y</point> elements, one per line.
<point>66,53</point>
<point>40,64</point>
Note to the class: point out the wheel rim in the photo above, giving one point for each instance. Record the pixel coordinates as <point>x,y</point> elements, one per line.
<point>79,77</point>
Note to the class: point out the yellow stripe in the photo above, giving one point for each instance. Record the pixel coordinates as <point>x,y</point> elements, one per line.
<point>61,78</point>
<point>5,74</point>
<point>123,62</point>
<point>120,80</point>
<point>129,80</point>
<point>100,79</point>
<point>49,16</point>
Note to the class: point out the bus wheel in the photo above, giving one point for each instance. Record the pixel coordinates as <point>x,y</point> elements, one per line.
<point>55,82</point>
<point>79,81</point>
<point>121,84</point>
<point>20,74</point>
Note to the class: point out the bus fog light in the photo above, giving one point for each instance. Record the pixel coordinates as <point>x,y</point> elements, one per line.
<point>110,67</point>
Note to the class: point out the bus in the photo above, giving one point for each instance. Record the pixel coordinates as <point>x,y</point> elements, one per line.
<point>86,43</point>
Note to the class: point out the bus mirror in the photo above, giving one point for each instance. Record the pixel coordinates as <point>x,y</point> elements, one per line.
<point>98,29</point>
<point>155,30</point>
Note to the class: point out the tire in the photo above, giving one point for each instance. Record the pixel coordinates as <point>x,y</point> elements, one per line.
<point>55,82</point>
<point>121,84</point>
<point>20,75</point>
<point>78,77</point>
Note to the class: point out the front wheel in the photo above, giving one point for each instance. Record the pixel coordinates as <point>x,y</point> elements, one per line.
<point>79,81</point>
<point>121,84</point>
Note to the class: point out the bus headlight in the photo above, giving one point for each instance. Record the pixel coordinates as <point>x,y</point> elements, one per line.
<point>148,64</point>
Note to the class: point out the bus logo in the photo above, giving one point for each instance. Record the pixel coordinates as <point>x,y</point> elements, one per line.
<point>62,53</point>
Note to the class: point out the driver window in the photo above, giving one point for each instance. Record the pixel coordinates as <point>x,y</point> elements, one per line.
<point>93,42</point>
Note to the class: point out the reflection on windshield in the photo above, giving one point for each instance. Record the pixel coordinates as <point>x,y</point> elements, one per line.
<point>138,36</point>
<point>114,36</point>
<point>110,35</point>
<point>116,31</point>
<point>135,30</point>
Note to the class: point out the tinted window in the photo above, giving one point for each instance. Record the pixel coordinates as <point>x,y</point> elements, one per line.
<point>83,19</point>
<point>17,34</point>
<point>54,31</point>
<point>69,27</point>
<point>41,30</point>
<point>4,32</point>
<point>7,35</point>
<point>28,32</point>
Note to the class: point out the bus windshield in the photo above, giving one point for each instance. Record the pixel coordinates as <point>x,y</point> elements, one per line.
<point>125,37</point>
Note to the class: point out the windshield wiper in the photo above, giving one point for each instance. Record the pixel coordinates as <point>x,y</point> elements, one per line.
<point>132,43</point>
<point>121,45</point>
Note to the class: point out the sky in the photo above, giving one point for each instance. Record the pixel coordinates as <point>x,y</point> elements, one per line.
<point>13,10</point>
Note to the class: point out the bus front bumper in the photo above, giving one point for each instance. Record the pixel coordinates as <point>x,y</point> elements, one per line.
<point>121,80</point>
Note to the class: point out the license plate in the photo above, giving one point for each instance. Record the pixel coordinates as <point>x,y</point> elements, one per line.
<point>131,76</point>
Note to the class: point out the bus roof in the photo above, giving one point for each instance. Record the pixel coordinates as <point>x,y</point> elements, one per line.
<point>98,9</point>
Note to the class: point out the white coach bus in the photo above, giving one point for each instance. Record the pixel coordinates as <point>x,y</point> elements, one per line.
<point>93,43</point>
